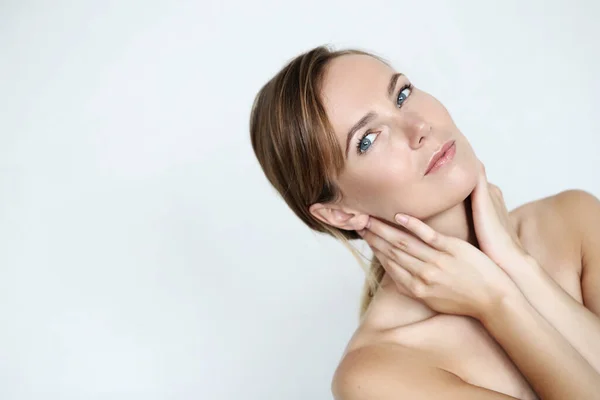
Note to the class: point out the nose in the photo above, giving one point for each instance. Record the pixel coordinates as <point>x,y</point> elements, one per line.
<point>416,129</point>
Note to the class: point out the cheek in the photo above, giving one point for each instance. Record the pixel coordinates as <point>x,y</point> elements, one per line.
<point>376,190</point>
<point>373,185</point>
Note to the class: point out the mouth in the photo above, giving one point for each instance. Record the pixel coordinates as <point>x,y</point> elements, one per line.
<point>441,157</point>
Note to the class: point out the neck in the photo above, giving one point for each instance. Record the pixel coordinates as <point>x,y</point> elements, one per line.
<point>456,222</point>
<point>396,306</point>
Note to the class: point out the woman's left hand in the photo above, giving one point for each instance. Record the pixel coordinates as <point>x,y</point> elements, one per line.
<point>494,230</point>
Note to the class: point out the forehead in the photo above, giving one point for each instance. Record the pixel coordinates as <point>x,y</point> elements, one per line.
<point>351,85</point>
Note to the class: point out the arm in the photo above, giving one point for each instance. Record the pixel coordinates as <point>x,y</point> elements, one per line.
<point>497,238</point>
<point>452,276</point>
<point>579,325</point>
<point>552,366</point>
<point>555,370</point>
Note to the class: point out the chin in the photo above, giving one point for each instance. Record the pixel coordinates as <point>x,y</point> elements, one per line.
<point>461,183</point>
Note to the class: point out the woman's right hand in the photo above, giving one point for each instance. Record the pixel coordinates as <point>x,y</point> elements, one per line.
<point>449,275</point>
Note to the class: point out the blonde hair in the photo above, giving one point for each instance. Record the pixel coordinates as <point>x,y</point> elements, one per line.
<point>298,151</point>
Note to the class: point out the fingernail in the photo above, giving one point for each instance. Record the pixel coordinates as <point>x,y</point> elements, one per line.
<point>401,219</point>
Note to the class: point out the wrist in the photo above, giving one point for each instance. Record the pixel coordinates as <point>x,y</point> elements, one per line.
<point>500,305</point>
<point>498,301</point>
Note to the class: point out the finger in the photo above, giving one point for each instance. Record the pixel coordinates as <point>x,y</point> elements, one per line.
<point>498,199</point>
<point>424,232</point>
<point>482,180</point>
<point>375,241</point>
<point>407,261</point>
<point>397,273</point>
<point>503,213</point>
<point>481,168</point>
<point>489,211</point>
<point>412,285</point>
<point>402,240</point>
<point>483,201</point>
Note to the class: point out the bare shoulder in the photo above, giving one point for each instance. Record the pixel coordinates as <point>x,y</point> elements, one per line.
<point>576,204</point>
<point>569,210</point>
<point>582,210</point>
<point>559,205</point>
<point>553,227</point>
<point>390,371</point>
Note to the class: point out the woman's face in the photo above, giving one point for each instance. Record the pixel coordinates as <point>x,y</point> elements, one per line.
<point>386,158</point>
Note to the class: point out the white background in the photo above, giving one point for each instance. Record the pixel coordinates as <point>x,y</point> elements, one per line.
<point>143,253</point>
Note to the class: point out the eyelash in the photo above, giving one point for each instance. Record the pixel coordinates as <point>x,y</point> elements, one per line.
<point>406,86</point>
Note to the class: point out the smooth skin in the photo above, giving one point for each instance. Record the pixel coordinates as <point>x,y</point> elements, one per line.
<point>537,318</point>
<point>453,277</point>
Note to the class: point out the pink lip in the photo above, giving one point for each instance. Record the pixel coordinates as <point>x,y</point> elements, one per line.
<point>441,157</point>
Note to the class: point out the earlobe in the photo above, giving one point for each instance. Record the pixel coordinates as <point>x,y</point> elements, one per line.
<point>339,218</point>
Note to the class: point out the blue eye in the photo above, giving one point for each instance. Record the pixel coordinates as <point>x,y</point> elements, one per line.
<point>364,143</point>
<point>405,91</point>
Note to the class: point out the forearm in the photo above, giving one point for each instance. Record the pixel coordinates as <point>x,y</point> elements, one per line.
<point>579,326</point>
<point>552,366</point>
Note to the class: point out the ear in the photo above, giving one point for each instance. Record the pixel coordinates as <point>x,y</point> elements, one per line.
<point>339,217</point>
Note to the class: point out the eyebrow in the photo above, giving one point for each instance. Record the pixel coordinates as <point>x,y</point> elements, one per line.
<point>370,115</point>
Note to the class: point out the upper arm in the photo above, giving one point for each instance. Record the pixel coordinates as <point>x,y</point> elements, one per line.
<point>583,210</point>
<point>387,373</point>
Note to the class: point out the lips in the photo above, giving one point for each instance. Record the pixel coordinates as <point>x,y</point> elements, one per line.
<point>438,155</point>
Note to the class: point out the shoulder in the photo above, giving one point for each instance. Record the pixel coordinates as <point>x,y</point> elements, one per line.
<point>579,212</point>
<point>572,199</point>
<point>576,203</point>
<point>574,215</point>
<point>553,230</point>
<point>569,211</point>
<point>564,201</point>
<point>582,209</point>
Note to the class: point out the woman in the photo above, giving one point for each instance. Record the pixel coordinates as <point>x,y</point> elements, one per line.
<point>463,300</point>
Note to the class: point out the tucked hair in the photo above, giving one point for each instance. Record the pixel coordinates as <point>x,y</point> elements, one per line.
<point>297,149</point>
